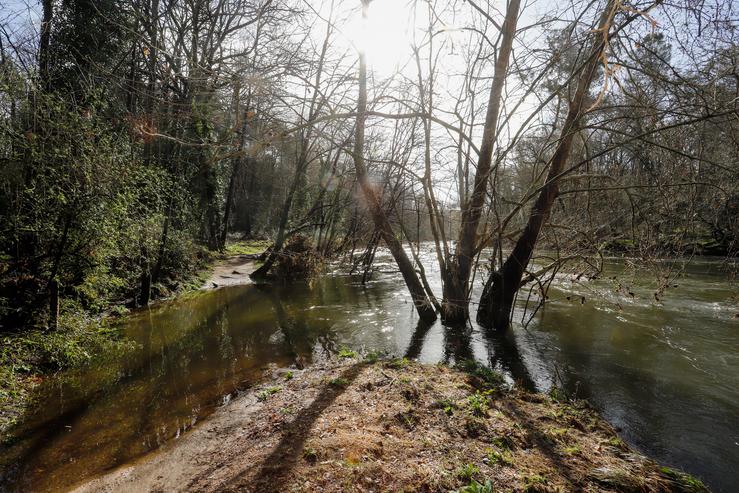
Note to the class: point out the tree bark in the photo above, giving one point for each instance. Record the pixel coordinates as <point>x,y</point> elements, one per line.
<point>456,276</point>
<point>45,43</point>
<point>501,287</point>
<point>418,294</point>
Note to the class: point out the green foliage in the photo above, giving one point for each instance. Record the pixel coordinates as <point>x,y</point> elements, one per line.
<point>535,483</point>
<point>339,382</point>
<point>475,487</point>
<point>346,353</point>
<point>477,403</point>
<point>310,454</point>
<point>289,376</point>
<point>498,457</point>
<point>467,472</point>
<point>266,393</point>
<point>373,357</point>
<point>80,340</point>
<point>398,363</point>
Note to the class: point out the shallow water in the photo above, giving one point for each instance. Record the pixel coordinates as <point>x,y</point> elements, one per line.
<point>665,373</point>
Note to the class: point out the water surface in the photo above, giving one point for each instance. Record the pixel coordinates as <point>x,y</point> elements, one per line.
<point>664,372</point>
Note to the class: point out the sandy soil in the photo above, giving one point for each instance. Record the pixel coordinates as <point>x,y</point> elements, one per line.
<point>391,426</point>
<point>231,272</point>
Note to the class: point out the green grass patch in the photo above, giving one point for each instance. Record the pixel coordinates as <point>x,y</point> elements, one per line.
<point>346,353</point>
<point>269,391</point>
<point>247,247</point>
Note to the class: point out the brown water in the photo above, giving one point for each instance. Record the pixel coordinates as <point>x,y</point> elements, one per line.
<point>665,373</point>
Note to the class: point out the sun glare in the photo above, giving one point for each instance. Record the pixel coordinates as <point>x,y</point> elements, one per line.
<point>385,36</point>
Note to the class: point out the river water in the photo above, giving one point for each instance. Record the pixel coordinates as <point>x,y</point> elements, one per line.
<point>664,372</point>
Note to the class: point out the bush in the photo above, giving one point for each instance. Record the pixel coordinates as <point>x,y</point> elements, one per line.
<point>298,260</point>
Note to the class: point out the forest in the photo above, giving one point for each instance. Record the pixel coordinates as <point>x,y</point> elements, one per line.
<point>477,151</point>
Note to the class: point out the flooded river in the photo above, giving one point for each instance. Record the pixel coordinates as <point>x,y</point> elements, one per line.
<point>664,371</point>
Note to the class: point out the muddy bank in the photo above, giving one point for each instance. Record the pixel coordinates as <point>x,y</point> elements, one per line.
<point>394,426</point>
<point>231,271</point>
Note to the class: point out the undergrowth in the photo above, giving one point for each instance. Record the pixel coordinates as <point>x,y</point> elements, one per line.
<point>27,355</point>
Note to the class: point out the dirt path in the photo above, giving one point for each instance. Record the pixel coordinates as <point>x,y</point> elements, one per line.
<point>231,272</point>
<point>392,426</point>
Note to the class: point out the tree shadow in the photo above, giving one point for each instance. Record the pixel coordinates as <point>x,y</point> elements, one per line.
<point>458,344</point>
<point>540,439</point>
<point>503,353</point>
<point>417,339</point>
<point>274,469</point>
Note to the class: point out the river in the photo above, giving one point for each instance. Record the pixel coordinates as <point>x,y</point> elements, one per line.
<point>664,372</point>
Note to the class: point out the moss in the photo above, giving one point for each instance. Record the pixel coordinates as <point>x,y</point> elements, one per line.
<point>683,482</point>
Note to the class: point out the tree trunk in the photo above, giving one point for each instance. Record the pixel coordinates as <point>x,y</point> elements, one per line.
<point>418,294</point>
<point>45,43</point>
<point>455,309</point>
<point>300,166</point>
<point>53,304</point>
<point>500,290</point>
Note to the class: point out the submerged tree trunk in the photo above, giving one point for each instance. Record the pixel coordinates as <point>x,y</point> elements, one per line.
<point>500,290</point>
<point>455,304</point>
<point>424,307</point>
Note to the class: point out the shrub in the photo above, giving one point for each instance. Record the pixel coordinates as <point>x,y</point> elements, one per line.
<point>298,260</point>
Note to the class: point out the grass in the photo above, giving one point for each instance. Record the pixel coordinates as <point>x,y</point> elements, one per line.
<point>266,393</point>
<point>398,363</point>
<point>310,454</point>
<point>247,247</point>
<point>346,353</point>
<point>535,483</point>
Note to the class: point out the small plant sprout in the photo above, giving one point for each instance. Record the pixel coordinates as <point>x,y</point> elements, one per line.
<point>266,393</point>
<point>478,404</point>
<point>467,472</point>
<point>346,353</point>
<point>475,487</point>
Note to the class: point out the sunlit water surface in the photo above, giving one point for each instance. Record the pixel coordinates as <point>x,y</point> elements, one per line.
<point>664,373</point>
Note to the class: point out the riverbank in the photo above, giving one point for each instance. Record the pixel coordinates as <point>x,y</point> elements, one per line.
<point>395,426</point>
<point>28,356</point>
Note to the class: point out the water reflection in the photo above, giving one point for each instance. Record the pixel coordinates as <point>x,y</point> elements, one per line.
<point>665,374</point>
